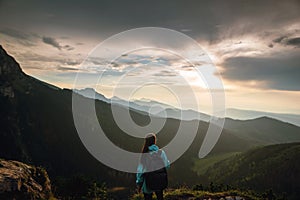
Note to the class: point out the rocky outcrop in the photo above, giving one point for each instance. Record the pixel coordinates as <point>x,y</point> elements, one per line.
<point>10,71</point>
<point>22,181</point>
<point>8,65</point>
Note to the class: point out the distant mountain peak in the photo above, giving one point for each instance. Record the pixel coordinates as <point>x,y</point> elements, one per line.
<point>89,89</point>
<point>91,93</point>
<point>240,114</point>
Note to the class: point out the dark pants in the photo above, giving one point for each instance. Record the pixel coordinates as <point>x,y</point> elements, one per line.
<point>159,195</point>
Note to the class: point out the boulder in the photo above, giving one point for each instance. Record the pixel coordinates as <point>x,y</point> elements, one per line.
<point>22,181</point>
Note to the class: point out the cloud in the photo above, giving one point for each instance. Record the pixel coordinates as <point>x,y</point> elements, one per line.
<point>21,37</point>
<point>294,41</point>
<point>208,20</point>
<point>71,62</point>
<point>68,47</point>
<point>30,39</point>
<point>288,39</point>
<point>279,39</point>
<point>280,72</point>
<point>165,73</point>
<point>32,60</point>
<point>52,41</point>
<point>185,30</point>
<point>31,56</point>
<point>60,68</point>
<point>15,33</point>
<point>188,67</point>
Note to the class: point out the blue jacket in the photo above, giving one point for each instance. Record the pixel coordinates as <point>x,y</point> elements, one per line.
<point>141,169</point>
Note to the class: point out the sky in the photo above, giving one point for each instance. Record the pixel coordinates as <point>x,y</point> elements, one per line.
<point>254,45</point>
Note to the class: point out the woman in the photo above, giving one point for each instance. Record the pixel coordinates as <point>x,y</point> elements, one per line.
<point>151,148</point>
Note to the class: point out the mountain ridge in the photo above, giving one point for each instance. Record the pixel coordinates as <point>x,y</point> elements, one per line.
<point>234,113</point>
<point>275,167</point>
<point>168,111</point>
<point>9,66</point>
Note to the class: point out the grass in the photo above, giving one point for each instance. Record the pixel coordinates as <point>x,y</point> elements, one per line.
<point>188,194</point>
<point>202,165</point>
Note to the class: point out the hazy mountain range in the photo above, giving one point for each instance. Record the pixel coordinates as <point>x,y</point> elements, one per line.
<point>167,111</point>
<point>250,114</point>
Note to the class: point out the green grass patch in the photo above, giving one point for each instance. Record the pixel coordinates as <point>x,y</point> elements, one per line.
<point>202,165</point>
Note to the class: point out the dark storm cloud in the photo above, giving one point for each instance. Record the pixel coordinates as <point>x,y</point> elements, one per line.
<point>288,40</point>
<point>294,41</point>
<point>281,72</point>
<point>51,41</point>
<point>200,19</point>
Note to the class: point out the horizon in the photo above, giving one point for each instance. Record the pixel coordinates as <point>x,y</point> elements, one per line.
<point>258,60</point>
<point>167,103</point>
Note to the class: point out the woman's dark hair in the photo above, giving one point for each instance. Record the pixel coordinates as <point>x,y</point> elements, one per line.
<point>150,139</point>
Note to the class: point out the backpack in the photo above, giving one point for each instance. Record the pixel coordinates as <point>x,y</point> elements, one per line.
<point>156,177</point>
